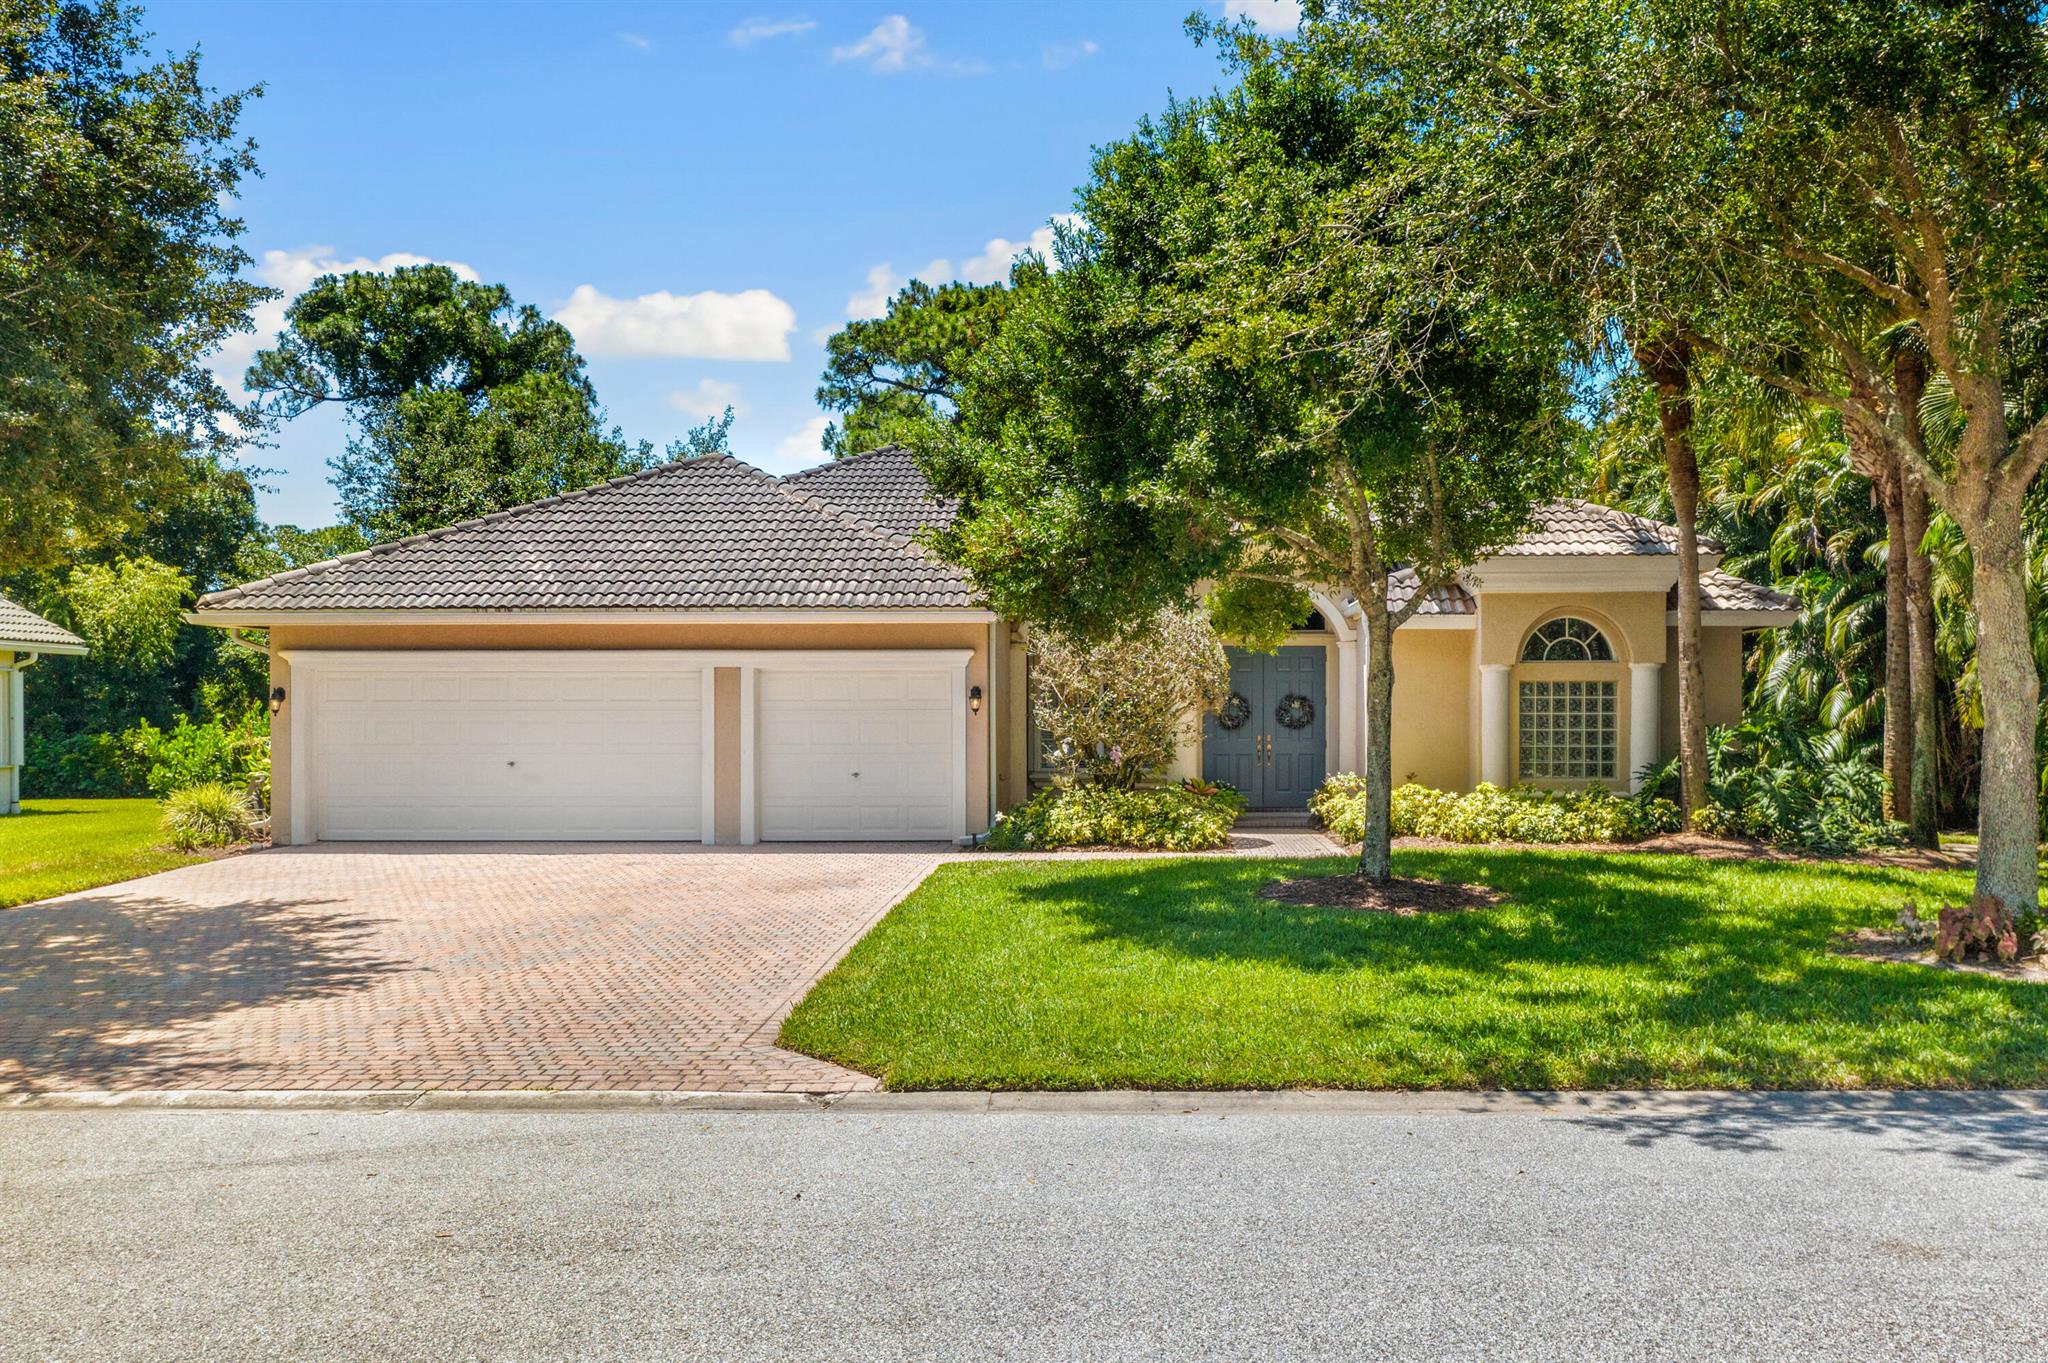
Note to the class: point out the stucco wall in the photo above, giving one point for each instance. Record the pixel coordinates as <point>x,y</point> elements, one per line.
<point>1434,684</point>
<point>1633,621</point>
<point>708,634</point>
<point>1720,669</point>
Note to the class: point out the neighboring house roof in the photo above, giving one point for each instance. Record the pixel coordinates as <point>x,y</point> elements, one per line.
<point>23,631</point>
<point>706,533</point>
<point>884,485</point>
<point>1573,527</point>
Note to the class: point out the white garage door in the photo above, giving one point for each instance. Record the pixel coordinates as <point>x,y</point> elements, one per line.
<point>860,754</point>
<point>548,747</point>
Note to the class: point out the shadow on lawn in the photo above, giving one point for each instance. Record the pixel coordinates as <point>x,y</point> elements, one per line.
<point>1602,971</point>
<point>101,991</point>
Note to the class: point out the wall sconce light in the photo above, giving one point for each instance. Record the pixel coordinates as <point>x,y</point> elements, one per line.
<point>276,699</point>
<point>974,699</point>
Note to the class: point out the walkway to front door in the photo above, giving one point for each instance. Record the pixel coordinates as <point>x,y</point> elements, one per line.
<point>1270,742</point>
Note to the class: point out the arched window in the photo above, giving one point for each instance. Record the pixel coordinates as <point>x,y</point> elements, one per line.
<point>1567,639</point>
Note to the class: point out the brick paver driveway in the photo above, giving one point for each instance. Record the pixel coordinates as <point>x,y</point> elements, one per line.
<point>445,965</point>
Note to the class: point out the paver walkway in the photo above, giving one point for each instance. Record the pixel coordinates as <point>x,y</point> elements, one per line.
<point>444,965</point>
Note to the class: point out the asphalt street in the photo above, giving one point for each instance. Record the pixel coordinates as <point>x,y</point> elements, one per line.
<point>1768,1228</point>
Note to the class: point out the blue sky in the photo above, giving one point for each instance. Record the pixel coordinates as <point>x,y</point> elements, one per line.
<point>701,192</point>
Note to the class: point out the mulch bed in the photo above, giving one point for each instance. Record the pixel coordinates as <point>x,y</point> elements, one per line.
<point>1403,898</point>
<point>1708,848</point>
<point>1877,944</point>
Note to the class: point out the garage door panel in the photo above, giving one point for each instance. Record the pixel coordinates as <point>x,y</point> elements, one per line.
<point>857,753</point>
<point>412,752</point>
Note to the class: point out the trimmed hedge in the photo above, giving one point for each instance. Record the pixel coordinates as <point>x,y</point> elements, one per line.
<point>1189,818</point>
<point>1490,814</point>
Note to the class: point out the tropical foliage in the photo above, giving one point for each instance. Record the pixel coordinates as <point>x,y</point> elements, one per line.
<point>211,814</point>
<point>1183,818</point>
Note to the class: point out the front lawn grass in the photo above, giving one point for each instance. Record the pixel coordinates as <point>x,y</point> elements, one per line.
<point>56,846</point>
<point>1603,971</point>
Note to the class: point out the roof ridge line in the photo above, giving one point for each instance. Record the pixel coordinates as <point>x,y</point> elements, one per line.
<point>440,532</point>
<point>895,539</point>
<point>840,461</point>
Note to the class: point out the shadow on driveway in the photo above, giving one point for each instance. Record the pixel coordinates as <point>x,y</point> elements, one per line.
<point>99,991</point>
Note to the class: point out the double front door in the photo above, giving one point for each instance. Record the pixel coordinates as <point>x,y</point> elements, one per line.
<point>1269,740</point>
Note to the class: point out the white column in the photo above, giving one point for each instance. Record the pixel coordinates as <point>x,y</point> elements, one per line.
<point>1350,719</point>
<point>16,739</point>
<point>1645,694</point>
<point>1494,692</point>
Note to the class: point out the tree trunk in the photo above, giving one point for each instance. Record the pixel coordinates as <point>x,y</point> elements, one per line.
<point>1898,652</point>
<point>1923,821</point>
<point>1375,853</point>
<point>1668,364</point>
<point>2009,801</point>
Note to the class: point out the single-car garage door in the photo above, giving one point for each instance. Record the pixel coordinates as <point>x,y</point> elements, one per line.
<point>502,746</point>
<point>858,754</point>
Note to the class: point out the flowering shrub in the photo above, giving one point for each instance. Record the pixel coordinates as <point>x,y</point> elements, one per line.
<point>1173,819</point>
<point>1490,814</point>
<point>1116,710</point>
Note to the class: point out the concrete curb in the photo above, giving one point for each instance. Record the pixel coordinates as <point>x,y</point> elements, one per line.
<point>1564,1105</point>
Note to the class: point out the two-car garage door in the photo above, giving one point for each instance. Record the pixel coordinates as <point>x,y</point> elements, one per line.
<point>623,745</point>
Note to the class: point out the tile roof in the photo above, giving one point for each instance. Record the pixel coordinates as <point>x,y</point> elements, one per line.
<point>23,631</point>
<point>1448,600</point>
<point>714,533</point>
<point>1721,591</point>
<point>1573,527</point>
<point>710,533</point>
<point>883,485</point>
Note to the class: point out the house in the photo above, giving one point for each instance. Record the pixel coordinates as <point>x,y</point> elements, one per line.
<point>705,652</point>
<point>24,637</point>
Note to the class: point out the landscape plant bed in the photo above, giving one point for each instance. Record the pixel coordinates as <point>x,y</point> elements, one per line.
<point>1713,847</point>
<point>1346,890</point>
<point>1597,970</point>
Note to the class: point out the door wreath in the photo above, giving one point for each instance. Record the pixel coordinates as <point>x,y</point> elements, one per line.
<point>1234,711</point>
<point>1294,712</point>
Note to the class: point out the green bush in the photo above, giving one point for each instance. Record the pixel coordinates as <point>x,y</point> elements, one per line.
<point>146,760</point>
<point>1174,819</point>
<point>209,814</point>
<point>1490,814</point>
<point>1765,784</point>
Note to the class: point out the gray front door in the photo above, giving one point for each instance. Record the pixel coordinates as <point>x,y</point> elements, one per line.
<point>1270,741</point>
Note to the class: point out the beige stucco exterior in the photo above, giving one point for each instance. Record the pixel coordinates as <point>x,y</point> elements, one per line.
<point>702,634</point>
<point>1440,665</point>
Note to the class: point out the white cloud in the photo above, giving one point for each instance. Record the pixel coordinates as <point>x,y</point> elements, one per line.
<point>803,446</point>
<point>709,398</point>
<point>761,30</point>
<point>1270,16</point>
<point>1060,56</point>
<point>993,263</point>
<point>638,40</point>
<point>750,325</point>
<point>884,283</point>
<point>895,46</point>
<point>291,273</point>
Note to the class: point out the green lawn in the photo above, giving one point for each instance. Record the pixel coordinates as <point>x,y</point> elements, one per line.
<point>1605,971</point>
<point>56,846</point>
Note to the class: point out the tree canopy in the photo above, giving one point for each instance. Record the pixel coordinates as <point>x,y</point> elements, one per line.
<point>463,401</point>
<point>119,273</point>
<point>891,377</point>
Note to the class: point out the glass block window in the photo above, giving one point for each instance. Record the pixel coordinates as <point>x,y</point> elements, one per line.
<point>1567,730</point>
<point>1567,640</point>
